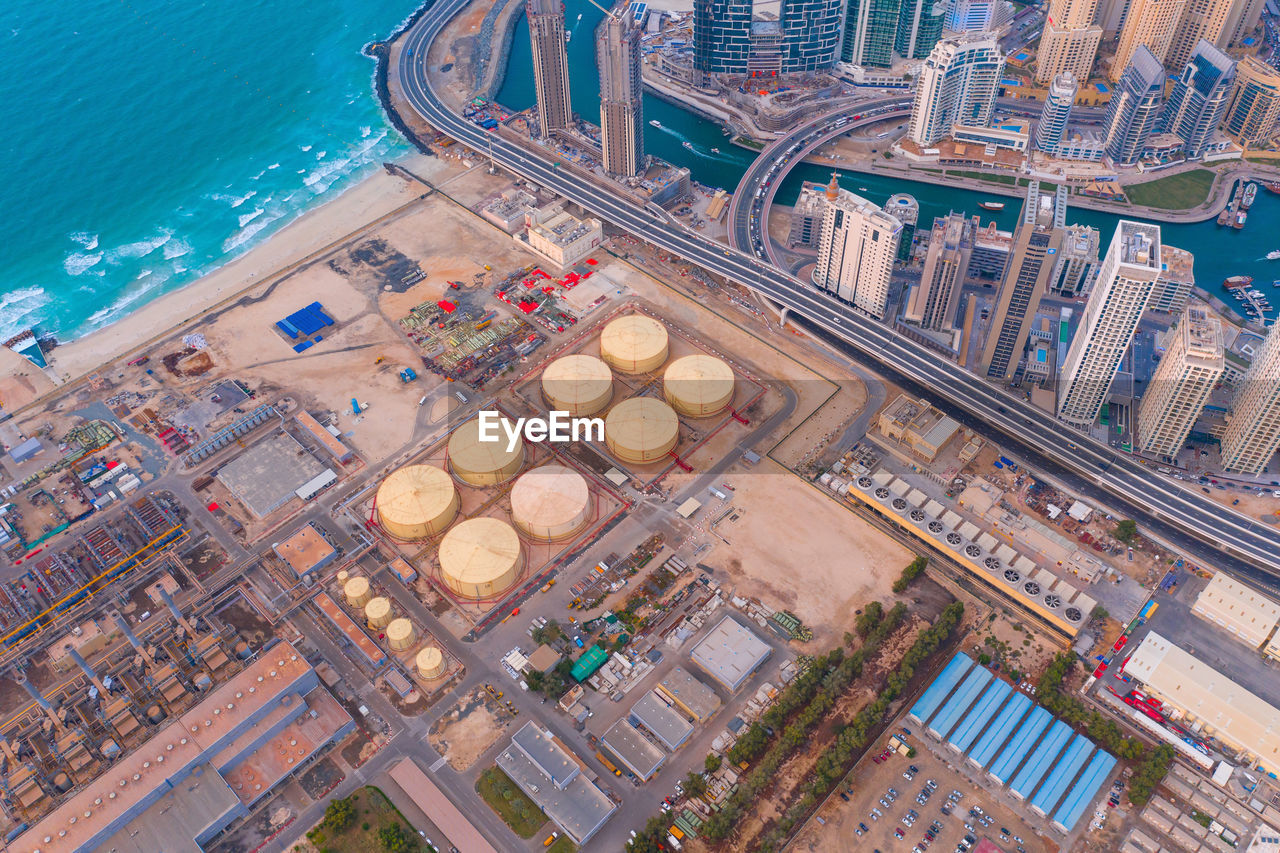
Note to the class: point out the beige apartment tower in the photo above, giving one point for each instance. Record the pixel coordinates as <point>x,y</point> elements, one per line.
<point>621,113</point>
<point>857,248</point>
<point>1253,433</point>
<point>1070,40</point>
<point>1254,106</point>
<point>550,64</point>
<point>1151,23</point>
<point>1201,19</point>
<point>1179,388</point>
<point>1125,280</point>
<point>935,299</point>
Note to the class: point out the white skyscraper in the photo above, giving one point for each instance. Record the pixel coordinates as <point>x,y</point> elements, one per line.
<point>1125,279</point>
<point>1182,382</point>
<point>958,85</point>
<point>1056,113</point>
<point>1253,434</point>
<point>856,251</point>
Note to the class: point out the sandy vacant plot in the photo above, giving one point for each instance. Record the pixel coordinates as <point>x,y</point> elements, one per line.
<point>467,731</point>
<point>793,547</point>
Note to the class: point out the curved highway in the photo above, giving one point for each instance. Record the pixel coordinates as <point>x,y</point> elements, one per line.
<point>759,184</point>
<point>1222,536</point>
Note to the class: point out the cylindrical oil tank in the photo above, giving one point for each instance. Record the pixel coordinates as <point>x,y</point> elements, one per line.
<point>401,634</point>
<point>641,430</point>
<point>634,344</point>
<point>343,575</point>
<point>550,502</point>
<point>698,386</point>
<point>480,557</point>
<point>483,463</point>
<point>430,662</point>
<point>357,591</point>
<point>378,612</point>
<point>581,385</point>
<point>416,501</point>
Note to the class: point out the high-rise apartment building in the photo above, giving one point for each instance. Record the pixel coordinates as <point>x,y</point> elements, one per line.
<point>1201,19</point>
<point>1175,282</point>
<point>721,36</point>
<point>1125,279</point>
<point>1198,99</point>
<point>1036,243</point>
<point>1077,261</point>
<point>906,210</point>
<point>1111,16</point>
<point>1253,433</point>
<point>968,16</point>
<point>856,251</point>
<point>1241,21</point>
<point>621,116</point>
<point>1191,367</point>
<point>1254,105</point>
<point>935,299</point>
<point>1134,108</point>
<point>870,27</point>
<point>1069,41</point>
<point>1150,24</point>
<point>919,27</point>
<point>550,65</point>
<point>1055,113</point>
<point>810,34</point>
<point>958,85</point>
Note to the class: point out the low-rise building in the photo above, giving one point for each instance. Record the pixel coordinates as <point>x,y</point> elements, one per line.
<point>561,237</point>
<point>917,426</point>
<point>633,749</point>
<point>554,778</point>
<point>730,653</point>
<point>306,550</point>
<point>690,695</point>
<point>1012,136</point>
<point>660,719</point>
<point>1241,611</point>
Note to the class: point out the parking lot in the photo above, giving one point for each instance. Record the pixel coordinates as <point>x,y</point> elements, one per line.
<point>869,784</point>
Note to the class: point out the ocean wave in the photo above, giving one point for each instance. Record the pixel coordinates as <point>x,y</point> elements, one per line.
<point>273,166</point>
<point>247,233</point>
<point>20,309</point>
<point>87,239</point>
<point>78,263</point>
<point>246,218</point>
<point>365,130</point>
<point>117,309</point>
<point>176,249</point>
<point>305,148</point>
<point>139,248</point>
<point>320,155</point>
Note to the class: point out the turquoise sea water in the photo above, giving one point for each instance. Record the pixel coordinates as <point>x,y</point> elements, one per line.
<point>148,141</point>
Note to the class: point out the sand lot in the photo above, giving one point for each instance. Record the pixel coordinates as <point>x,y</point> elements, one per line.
<point>823,564</point>
<point>466,731</point>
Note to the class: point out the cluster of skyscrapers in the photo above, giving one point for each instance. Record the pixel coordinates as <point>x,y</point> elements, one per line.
<point>621,87</point>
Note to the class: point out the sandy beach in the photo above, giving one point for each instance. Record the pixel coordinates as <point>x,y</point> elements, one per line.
<point>364,203</point>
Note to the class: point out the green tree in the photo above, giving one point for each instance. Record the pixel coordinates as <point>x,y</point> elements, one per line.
<point>535,679</point>
<point>869,619</point>
<point>913,570</point>
<point>712,763</point>
<point>1099,613</point>
<point>339,814</point>
<point>694,784</point>
<point>1125,530</point>
<point>394,838</point>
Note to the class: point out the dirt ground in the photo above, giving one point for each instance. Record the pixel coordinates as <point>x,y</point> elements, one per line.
<point>1015,646</point>
<point>829,564</point>
<point>467,730</point>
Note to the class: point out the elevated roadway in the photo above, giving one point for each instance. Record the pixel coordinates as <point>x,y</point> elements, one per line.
<point>1204,530</point>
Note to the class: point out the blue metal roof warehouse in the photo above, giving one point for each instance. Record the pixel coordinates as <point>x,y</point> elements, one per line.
<point>1041,759</point>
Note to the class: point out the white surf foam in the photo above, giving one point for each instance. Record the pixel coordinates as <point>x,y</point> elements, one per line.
<point>78,263</point>
<point>87,239</point>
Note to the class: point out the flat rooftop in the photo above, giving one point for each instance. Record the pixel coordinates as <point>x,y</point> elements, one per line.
<point>580,808</point>
<point>1139,244</point>
<point>730,652</point>
<point>427,796</point>
<point>267,475</point>
<point>356,635</point>
<point>305,550</point>
<point>174,821</point>
<point>182,743</point>
<point>634,750</point>
<point>666,724</point>
<point>689,693</point>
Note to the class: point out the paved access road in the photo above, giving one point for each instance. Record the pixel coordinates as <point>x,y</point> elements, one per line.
<point>1200,528</point>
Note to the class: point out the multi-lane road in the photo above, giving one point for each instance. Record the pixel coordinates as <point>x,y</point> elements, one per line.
<point>1205,530</point>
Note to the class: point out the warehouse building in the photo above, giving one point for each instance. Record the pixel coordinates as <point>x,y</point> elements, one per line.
<point>269,474</point>
<point>633,749</point>
<point>730,653</point>
<point>217,761</point>
<point>1247,615</point>
<point>1057,772</point>
<point>688,694</point>
<point>1196,689</point>
<point>306,551</point>
<point>659,719</point>
<point>553,778</point>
